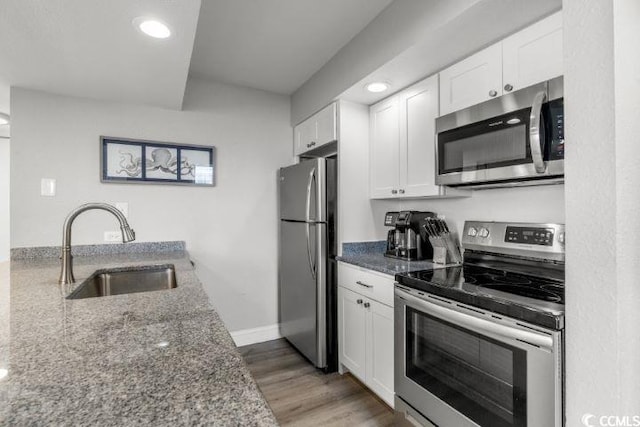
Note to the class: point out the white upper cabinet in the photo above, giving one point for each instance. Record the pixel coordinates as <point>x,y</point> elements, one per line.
<point>527,57</point>
<point>385,148</point>
<point>326,125</point>
<point>534,54</point>
<point>316,131</point>
<point>304,134</point>
<point>472,80</point>
<point>402,139</point>
<point>419,108</point>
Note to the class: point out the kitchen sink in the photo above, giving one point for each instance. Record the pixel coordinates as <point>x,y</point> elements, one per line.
<point>126,280</point>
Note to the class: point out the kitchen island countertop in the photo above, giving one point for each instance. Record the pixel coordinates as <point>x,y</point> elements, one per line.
<point>151,358</point>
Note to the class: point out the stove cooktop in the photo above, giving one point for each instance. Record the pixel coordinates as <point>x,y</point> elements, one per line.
<point>531,298</point>
<point>512,283</point>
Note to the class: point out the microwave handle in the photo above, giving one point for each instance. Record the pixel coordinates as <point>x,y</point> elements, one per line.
<point>534,131</point>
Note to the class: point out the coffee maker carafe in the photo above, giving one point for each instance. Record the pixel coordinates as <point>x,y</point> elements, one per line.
<point>404,240</point>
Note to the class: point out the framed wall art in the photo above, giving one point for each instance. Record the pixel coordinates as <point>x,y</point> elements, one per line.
<point>151,162</point>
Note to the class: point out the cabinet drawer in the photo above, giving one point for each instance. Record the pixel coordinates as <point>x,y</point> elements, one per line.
<point>371,284</point>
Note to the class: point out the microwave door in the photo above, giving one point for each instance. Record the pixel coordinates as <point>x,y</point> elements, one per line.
<point>489,149</point>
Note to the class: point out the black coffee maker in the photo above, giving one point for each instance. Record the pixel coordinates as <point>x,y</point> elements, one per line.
<point>404,240</point>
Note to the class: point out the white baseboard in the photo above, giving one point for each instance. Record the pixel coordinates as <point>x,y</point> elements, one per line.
<point>256,335</point>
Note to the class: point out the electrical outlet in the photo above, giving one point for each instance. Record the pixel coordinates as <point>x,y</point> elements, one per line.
<point>124,208</point>
<point>113,236</point>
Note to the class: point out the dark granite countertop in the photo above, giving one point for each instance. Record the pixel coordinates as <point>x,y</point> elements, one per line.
<point>379,262</point>
<point>371,255</point>
<point>152,358</point>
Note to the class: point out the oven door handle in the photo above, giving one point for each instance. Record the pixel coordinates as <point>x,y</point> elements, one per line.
<point>535,122</point>
<point>476,324</point>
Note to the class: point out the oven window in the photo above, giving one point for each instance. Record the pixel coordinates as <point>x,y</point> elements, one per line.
<point>482,378</point>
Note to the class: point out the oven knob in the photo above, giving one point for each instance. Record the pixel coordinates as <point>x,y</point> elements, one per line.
<point>561,238</point>
<point>472,232</point>
<point>483,232</point>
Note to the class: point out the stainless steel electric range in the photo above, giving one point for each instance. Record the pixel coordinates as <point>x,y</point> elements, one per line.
<point>481,344</point>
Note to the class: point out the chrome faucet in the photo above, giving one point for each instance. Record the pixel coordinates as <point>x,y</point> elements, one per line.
<point>66,271</point>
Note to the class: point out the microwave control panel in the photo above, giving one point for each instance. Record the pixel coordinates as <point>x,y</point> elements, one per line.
<point>529,235</point>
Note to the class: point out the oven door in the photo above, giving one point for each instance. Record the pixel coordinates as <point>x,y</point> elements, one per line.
<point>460,366</point>
<point>515,137</point>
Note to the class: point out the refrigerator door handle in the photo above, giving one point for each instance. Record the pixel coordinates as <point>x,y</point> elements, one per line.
<point>312,177</point>
<point>312,265</point>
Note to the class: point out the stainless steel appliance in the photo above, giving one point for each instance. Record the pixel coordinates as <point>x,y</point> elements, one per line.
<point>405,241</point>
<point>514,140</point>
<point>481,344</point>
<point>307,265</point>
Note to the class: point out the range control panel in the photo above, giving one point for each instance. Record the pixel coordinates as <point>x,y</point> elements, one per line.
<point>530,235</point>
<point>543,241</point>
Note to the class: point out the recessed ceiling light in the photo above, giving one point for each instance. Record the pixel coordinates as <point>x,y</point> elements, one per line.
<point>152,27</point>
<point>377,87</point>
<point>4,119</point>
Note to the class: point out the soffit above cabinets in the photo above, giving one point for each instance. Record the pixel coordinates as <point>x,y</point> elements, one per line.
<point>91,49</point>
<point>477,27</point>
<point>275,45</point>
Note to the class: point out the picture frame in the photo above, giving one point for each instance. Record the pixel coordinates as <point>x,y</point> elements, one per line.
<point>137,161</point>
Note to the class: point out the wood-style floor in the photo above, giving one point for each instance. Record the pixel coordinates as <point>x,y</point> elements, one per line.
<point>301,395</point>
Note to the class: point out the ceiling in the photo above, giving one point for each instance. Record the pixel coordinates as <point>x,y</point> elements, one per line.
<point>90,48</point>
<point>275,45</point>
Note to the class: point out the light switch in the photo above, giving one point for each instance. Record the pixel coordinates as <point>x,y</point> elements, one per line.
<point>124,208</point>
<point>48,187</point>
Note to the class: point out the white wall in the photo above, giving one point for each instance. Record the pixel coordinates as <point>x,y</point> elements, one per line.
<point>602,93</point>
<point>527,204</point>
<point>4,199</point>
<point>230,229</point>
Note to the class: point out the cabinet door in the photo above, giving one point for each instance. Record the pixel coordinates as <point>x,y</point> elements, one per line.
<point>326,125</point>
<point>534,54</point>
<point>380,350</point>
<point>418,111</point>
<point>472,80</point>
<point>351,331</point>
<point>385,149</point>
<point>304,134</point>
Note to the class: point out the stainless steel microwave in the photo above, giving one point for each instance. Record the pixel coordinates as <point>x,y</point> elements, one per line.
<point>514,140</point>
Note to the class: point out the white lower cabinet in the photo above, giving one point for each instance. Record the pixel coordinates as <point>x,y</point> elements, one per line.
<point>353,343</point>
<point>380,350</point>
<point>366,332</point>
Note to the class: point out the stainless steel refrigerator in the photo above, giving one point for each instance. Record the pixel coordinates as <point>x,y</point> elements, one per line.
<point>307,265</point>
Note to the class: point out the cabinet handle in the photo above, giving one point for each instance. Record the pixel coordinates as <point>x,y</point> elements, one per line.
<point>359,301</point>
<point>492,93</point>
<point>364,284</point>
<point>401,191</point>
<point>508,87</point>
<point>394,191</point>
<point>366,305</point>
<point>313,143</point>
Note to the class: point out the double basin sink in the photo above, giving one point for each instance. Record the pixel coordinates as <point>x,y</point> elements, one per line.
<point>126,280</point>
